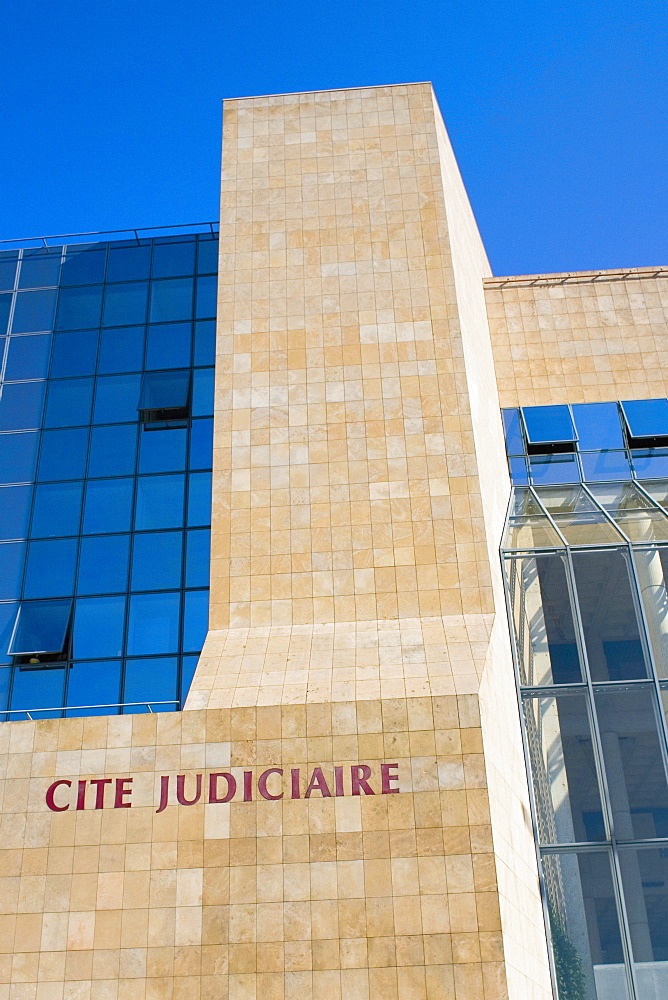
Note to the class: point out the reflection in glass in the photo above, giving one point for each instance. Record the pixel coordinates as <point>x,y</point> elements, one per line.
<point>28,357</point>
<point>18,454</point>
<point>651,566</point>
<point>34,311</point>
<point>203,392</point>
<point>168,345</point>
<point>577,517</point>
<point>171,299</point>
<point>41,627</point>
<point>96,683</point>
<point>154,624</point>
<point>57,510</point>
<point>79,308</point>
<point>40,268</point>
<point>199,499</point>
<point>108,506</point>
<point>11,569</point>
<point>650,464</point>
<point>5,308</point>
<point>14,511</point>
<point>645,881</point>
<point>50,568</point>
<point>116,398</point>
<point>205,342</point>
<point>35,689</point>
<point>83,267</point>
<point>548,424</point>
<point>99,624</point>
<point>156,560</point>
<point>552,469</point>
<point>121,350</point>
<point>21,405</point>
<point>103,564</point>
<point>198,558</point>
<point>604,466</point>
<point>646,418</point>
<point>598,426</point>
<point>129,263</point>
<point>162,450</point>
<point>207,289</point>
<point>8,262</point>
<point>113,450</point>
<point>207,255</point>
<point>188,667</point>
<point>69,402</point>
<point>636,515</point>
<point>195,620</point>
<point>150,680</point>
<point>173,258</point>
<point>74,353</point>
<point>125,304</point>
<point>201,443</point>
<point>63,454</point>
<point>7,619</point>
<point>159,502</point>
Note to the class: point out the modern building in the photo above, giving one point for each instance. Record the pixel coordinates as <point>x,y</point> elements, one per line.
<point>420,751</point>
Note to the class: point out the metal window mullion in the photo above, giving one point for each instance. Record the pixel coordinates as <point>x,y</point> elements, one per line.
<point>606,514</point>
<point>536,497</point>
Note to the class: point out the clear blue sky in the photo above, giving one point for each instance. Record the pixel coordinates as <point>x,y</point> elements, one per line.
<point>110,109</point>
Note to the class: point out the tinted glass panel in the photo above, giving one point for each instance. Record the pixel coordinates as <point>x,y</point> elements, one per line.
<point>50,568</point>
<point>57,510</point>
<point>14,511</point>
<point>69,402</point>
<point>598,426</point>
<point>157,560</point>
<point>7,618</point>
<point>652,569</point>
<point>8,264</point>
<point>195,620</point>
<point>125,304</point>
<point>552,469</point>
<point>197,558</point>
<point>201,444</point>
<point>151,680</point>
<point>154,624</point>
<point>188,667</point>
<point>203,393</point>
<point>205,342</point>
<point>172,259</point>
<point>116,398</point>
<point>605,466</point>
<point>162,450</point>
<point>103,564</point>
<point>165,390</point>
<point>128,263</point>
<point>34,311</point>
<point>199,499</point>
<point>206,296</point>
<point>171,299</point>
<point>121,350</point>
<point>79,308</point>
<point>41,627</point>
<point>547,424</point>
<point>168,345</point>
<point>28,357</point>
<point>113,450</point>
<point>513,431</point>
<point>99,623</point>
<point>95,683</point>
<point>5,306</point>
<point>11,569</point>
<point>650,463</point>
<point>21,405</point>
<point>645,881</point>
<point>646,417</point>
<point>108,506</point>
<point>39,268</point>
<point>83,267</point>
<point>159,502</point>
<point>63,454</point>
<point>33,689</point>
<point>207,256</point>
<point>74,353</point>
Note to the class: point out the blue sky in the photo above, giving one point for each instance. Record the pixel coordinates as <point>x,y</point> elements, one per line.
<point>110,110</point>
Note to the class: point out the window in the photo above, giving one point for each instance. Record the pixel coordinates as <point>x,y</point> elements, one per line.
<point>549,429</point>
<point>165,396</point>
<point>41,630</point>
<point>646,422</point>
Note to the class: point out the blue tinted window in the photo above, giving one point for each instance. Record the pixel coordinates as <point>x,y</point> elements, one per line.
<point>157,560</point>
<point>172,259</point>
<point>171,299</point>
<point>74,353</point>
<point>34,689</point>
<point>154,624</point>
<point>598,426</point>
<point>7,271</point>
<point>121,350</point>
<point>164,391</point>
<point>63,454</point>
<point>149,681</point>
<point>14,511</point>
<point>116,398</point>
<point>108,506</point>
<point>11,569</point>
<point>113,450</point>
<point>99,623</point>
<point>199,499</point>
<point>5,676</point>
<point>207,256</point>
<point>168,345</point>
<point>206,296</point>
<point>188,667</point>
<point>21,405</point>
<point>195,620</point>
<point>205,342</point>
<point>548,424</point>
<point>203,393</point>
<point>95,683</point>
<point>5,306</point>
<point>28,357</point>
<point>50,568</point>
<point>103,564</point>
<point>201,444</point>
<point>159,502</point>
<point>40,268</point>
<point>197,558</point>
<point>7,619</point>
<point>18,453</point>
<point>519,475</point>
<point>548,470</point>
<point>41,627</point>
<point>650,463</point>
<point>125,304</point>
<point>646,418</point>
<point>514,439</point>
<point>602,466</point>
<point>34,311</point>
<point>162,450</point>
<point>128,263</point>
<point>83,267</point>
<point>69,402</point>
<point>79,308</point>
<point>57,510</point>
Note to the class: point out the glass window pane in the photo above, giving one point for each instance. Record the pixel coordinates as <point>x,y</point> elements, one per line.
<point>157,560</point>
<point>198,558</point>
<point>605,466</point>
<point>159,502</point>
<point>74,353</point>
<point>608,615</point>
<point>108,506</point>
<point>125,304</point>
<point>584,925</point>
<point>171,299</point>
<point>99,624</point>
<point>205,342</point>
<point>28,357</point>
<point>651,567</point>
<point>577,517</point>
<point>563,770</point>
<point>8,262</point>
<point>63,454</point>
<point>168,345</point>
<point>598,426</point>
<point>150,681</point>
<point>650,463</point>
<point>645,882</point>
<point>18,454</point>
<point>203,392</point>
<point>172,259</point>
<point>40,268</point>
<point>113,450</point>
<point>207,255</point>
<point>195,620</point>
<point>5,677</point>
<point>646,418</point>
<point>7,619</point>
<point>165,391</point>
<point>201,444</point>
<point>519,475</point>
<point>128,263</point>
<point>69,402</point>
<point>50,568</point>
<point>21,405</point>
<point>11,569</point>
<point>514,439</point>
<point>116,398</point>
<point>5,307</point>
<point>188,668</point>
<point>34,689</point>
<point>95,683</point>
<point>83,267</point>
<point>121,350</point>
<point>154,624</point>
<point>41,627</point>
<point>548,424</point>
<point>207,289</point>
<point>14,511</point>
<point>199,499</point>
<point>103,564</point>
<point>57,510</point>
<point>79,308</point>
<point>547,470</point>
<point>162,450</point>
<point>627,722</point>
<point>34,311</point>
<point>543,620</point>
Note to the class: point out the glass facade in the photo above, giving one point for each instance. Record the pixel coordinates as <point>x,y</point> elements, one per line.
<point>586,570</point>
<point>106,440</point>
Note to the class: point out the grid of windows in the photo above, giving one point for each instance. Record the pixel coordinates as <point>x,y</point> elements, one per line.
<point>104,513</point>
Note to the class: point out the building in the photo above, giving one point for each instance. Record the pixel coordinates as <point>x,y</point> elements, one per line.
<point>340,795</point>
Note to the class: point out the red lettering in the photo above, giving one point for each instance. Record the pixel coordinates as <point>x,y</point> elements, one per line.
<point>294,779</point>
<point>318,783</point>
<point>51,791</point>
<point>387,778</point>
<point>180,790</point>
<point>248,786</point>
<point>164,793</point>
<point>359,773</point>
<point>122,793</point>
<point>81,795</point>
<point>338,781</point>
<point>262,784</point>
<point>213,786</point>
<point>101,787</point>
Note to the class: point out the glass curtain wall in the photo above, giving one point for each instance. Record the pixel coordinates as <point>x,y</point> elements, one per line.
<point>106,431</point>
<point>586,572</point>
